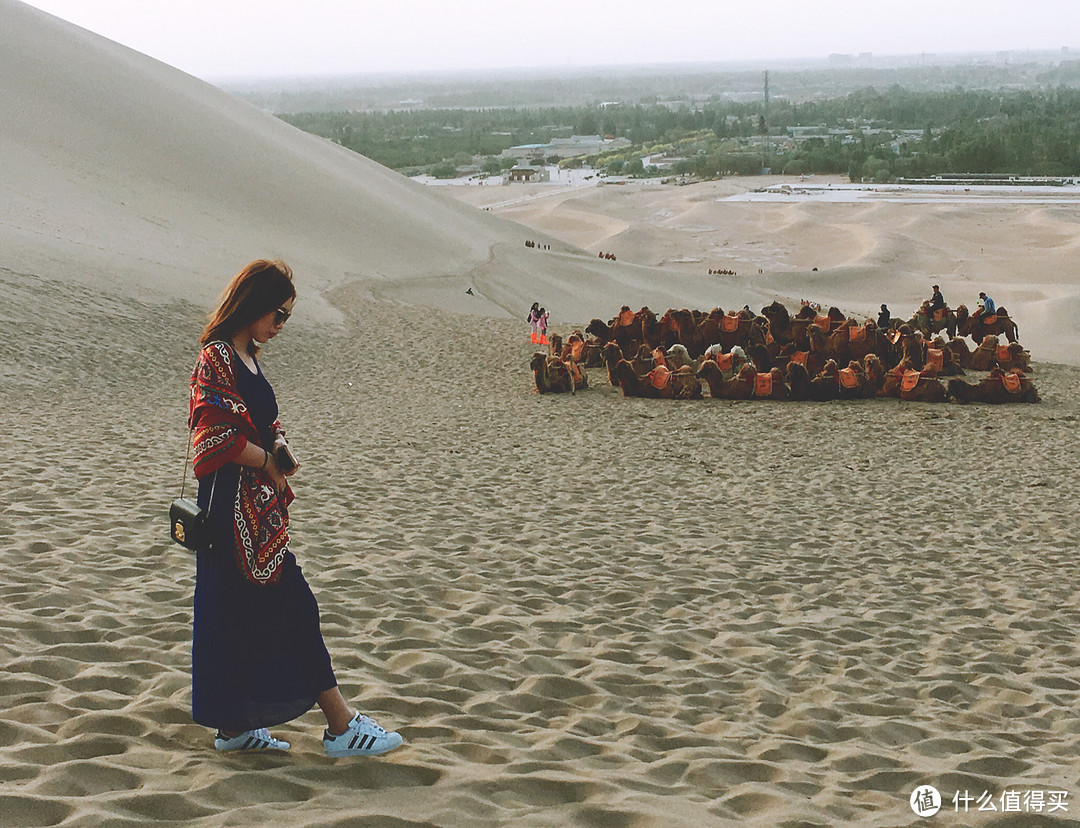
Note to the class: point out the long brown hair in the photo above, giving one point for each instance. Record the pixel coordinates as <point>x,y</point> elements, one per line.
<point>261,287</point>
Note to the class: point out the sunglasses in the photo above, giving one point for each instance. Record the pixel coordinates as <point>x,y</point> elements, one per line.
<point>281,316</point>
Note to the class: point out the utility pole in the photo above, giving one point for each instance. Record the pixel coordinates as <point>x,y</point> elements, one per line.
<point>767,159</point>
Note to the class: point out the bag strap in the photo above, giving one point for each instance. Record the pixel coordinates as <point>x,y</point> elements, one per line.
<point>183,482</point>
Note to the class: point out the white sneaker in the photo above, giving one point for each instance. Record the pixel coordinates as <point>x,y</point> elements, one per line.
<point>363,737</point>
<point>250,740</point>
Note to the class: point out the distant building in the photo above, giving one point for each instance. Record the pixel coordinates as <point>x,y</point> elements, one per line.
<point>573,147</point>
<point>520,174</point>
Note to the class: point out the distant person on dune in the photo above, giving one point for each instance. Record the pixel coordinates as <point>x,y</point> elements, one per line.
<point>884,318</point>
<point>257,655</point>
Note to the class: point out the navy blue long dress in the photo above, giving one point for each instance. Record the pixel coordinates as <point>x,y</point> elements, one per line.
<point>257,656</point>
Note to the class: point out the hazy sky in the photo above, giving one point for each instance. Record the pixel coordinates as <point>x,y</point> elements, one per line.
<point>223,38</point>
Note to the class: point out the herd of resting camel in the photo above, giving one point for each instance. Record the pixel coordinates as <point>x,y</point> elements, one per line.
<point>777,356</point>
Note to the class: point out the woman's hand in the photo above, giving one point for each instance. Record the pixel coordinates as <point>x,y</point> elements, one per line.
<point>274,474</point>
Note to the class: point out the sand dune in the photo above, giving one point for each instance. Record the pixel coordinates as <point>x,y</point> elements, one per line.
<point>584,611</point>
<point>865,253</point>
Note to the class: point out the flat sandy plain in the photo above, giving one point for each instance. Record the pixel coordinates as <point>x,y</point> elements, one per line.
<point>579,611</point>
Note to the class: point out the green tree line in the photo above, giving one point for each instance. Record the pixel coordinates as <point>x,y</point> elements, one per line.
<point>1026,132</point>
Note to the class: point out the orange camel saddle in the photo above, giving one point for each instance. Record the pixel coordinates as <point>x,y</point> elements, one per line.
<point>725,361</point>
<point>935,358</point>
<point>730,323</point>
<point>1003,354</point>
<point>799,357</point>
<point>763,384</point>
<point>849,378</point>
<point>1012,382</point>
<point>988,320</point>
<point>857,334</point>
<point>574,369</point>
<point>660,376</point>
<point>626,318</point>
<point>577,348</point>
<point>910,380</point>
<point>823,322</point>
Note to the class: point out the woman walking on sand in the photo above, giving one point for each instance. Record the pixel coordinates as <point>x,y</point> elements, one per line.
<point>258,657</point>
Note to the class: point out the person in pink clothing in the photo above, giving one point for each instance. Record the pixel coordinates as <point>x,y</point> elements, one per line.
<point>542,325</point>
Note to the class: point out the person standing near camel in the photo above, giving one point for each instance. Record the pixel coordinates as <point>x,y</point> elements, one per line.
<point>534,314</point>
<point>542,325</point>
<point>257,656</point>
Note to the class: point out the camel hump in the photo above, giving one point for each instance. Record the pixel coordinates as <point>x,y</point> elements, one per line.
<point>626,318</point>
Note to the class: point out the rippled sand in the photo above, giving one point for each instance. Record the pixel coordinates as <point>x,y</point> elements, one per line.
<point>579,610</point>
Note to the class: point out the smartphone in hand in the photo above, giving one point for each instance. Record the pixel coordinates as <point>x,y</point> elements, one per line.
<point>283,456</point>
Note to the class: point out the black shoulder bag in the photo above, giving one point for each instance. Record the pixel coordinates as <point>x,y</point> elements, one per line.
<point>188,522</point>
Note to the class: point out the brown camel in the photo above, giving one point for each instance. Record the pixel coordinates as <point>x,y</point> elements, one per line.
<point>913,347</point>
<point>999,387</point>
<point>824,347</point>
<point>660,383</point>
<point>939,358</point>
<point>978,327</point>
<point>930,322</point>
<point>985,356</point>
<point>959,352</point>
<point>695,329</point>
<point>612,356</point>
<point>631,384</point>
<point>917,387</point>
<point>1012,356</point>
<point>798,381</point>
<point>582,351</point>
<point>735,329</point>
<point>770,385</point>
<point>826,385</point>
<point>786,329</point>
<point>556,377</point>
<point>740,387</point>
<point>853,385</point>
<point>874,372</point>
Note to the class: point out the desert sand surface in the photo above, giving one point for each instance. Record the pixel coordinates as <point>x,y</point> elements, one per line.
<point>579,611</point>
